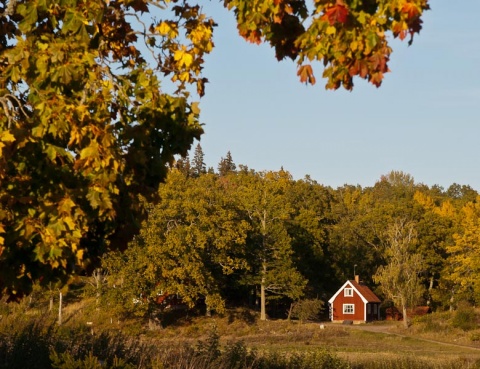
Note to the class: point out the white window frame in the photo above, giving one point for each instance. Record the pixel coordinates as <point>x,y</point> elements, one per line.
<point>348,292</point>
<point>349,308</point>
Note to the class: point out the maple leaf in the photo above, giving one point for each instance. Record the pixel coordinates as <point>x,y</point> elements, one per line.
<point>378,62</point>
<point>305,73</point>
<point>411,10</point>
<point>336,13</point>
<point>255,37</point>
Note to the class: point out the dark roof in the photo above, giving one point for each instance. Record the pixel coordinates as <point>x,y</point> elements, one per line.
<point>365,291</point>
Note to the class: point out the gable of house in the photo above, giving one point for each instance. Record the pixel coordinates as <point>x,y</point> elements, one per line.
<point>364,293</point>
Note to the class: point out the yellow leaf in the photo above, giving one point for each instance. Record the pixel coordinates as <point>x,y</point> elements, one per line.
<point>70,223</point>
<point>184,77</point>
<point>183,58</point>
<point>331,30</point>
<point>163,28</point>
<point>79,254</point>
<point>6,136</point>
<point>353,45</point>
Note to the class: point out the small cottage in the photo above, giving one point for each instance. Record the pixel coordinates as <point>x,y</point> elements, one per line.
<point>354,302</point>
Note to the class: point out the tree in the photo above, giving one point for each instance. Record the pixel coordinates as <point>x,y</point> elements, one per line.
<point>87,128</point>
<point>190,242</point>
<point>399,279</point>
<point>263,197</point>
<point>464,254</point>
<point>308,229</point>
<point>362,218</point>
<point>197,166</point>
<point>435,229</point>
<point>183,165</point>
<point>226,165</point>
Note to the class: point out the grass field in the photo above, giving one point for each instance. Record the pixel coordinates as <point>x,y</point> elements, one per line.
<point>370,345</point>
<point>433,342</point>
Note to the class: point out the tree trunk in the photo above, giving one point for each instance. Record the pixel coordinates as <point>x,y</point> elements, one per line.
<point>263,314</point>
<point>98,278</point>
<point>430,288</point>
<point>50,306</point>
<point>290,311</point>
<point>60,300</point>
<point>452,299</point>
<point>405,318</point>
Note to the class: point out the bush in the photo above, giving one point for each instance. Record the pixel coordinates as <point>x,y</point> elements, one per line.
<point>67,361</point>
<point>307,309</point>
<point>310,360</point>
<point>26,342</point>
<point>465,318</point>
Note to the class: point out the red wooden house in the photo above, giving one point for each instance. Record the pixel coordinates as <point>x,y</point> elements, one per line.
<point>354,302</point>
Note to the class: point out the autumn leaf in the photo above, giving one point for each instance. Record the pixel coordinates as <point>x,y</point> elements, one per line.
<point>305,73</point>
<point>410,9</point>
<point>183,57</point>
<point>336,14</point>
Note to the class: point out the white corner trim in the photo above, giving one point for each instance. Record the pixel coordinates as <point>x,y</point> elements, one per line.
<point>347,283</point>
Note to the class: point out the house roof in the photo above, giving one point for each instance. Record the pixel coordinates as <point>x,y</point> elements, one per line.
<point>365,291</point>
<point>366,294</point>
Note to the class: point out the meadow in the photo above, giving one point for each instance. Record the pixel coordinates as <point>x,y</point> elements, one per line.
<point>90,338</point>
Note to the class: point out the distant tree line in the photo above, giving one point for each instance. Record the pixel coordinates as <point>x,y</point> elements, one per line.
<point>236,236</point>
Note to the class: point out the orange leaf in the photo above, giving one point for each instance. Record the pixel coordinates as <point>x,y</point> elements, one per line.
<point>410,9</point>
<point>305,73</point>
<point>336,13</point>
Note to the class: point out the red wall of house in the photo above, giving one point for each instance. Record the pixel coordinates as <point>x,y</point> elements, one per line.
<point>338,307</point>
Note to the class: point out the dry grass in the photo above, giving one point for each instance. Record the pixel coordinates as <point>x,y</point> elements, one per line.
<point>373,346</point>
<point>382,343</point>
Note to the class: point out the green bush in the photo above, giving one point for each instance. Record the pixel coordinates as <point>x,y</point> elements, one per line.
<point>310,360</point>
<point>465,318</point>
<point>237,356</point>
<point>430,323</point>
<point>26,342</point>
<point>307,309</point>
<point>210,348</point>
<point>67,361</point>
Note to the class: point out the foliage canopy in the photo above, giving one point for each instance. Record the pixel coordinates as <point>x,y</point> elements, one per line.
<point>87,127</point>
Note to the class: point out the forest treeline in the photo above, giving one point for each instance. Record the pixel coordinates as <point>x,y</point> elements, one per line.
<point>234,236</point>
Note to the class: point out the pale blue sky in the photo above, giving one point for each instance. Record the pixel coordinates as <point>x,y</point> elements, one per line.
<point>424,120</point>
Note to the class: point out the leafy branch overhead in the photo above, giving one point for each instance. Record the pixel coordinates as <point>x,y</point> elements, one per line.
<point>96,102</point>
<point>349,37</point>
<point>86,126</point>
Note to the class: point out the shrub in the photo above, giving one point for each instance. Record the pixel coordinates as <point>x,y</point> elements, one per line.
<point>307,309</point>
<point>465,318</point>
<point>310,360</point>
<point>238,356</point>
<point>26,342</point>
<point>67,361</point>
<point>210,348</point>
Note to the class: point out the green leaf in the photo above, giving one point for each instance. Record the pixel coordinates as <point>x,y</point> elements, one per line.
<point>30,16</point>
<point>90,151</point>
